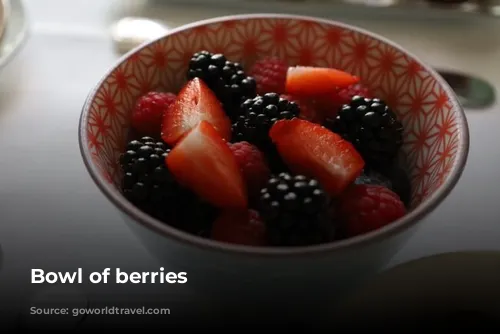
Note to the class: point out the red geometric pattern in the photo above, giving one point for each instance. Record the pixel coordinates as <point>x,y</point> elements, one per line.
<point>432,136</point>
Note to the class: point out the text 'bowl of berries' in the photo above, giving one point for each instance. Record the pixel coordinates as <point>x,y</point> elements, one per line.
<point>264,147</point>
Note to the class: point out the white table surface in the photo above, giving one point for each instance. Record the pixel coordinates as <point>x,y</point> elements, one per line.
<point>52,213</point>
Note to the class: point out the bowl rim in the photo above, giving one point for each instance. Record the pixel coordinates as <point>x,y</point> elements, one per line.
<point>160,228</point>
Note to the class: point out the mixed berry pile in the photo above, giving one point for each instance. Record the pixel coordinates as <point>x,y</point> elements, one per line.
<point>276,156</point>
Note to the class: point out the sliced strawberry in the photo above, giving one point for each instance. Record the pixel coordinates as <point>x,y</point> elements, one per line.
<point>195,103</point>
<point>203,162</point>
<point>243,227</point>
<point>312,150</point>
<point>316,81</point>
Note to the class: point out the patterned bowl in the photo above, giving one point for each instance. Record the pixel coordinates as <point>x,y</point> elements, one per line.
<point>435,146</point>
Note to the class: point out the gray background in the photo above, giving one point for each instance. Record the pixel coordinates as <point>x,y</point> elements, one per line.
<point>53,216</point>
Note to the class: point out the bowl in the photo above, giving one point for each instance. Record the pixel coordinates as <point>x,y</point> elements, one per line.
<point>435,148</point>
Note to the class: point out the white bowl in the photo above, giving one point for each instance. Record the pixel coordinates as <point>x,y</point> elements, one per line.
<point>436,147</point>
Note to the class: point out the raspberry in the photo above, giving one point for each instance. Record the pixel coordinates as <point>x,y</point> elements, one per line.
<point>270,75</point>
<point>148,112</point>
<point>253,166</point>
<point>307,109</point>
<point>237,227</point>
<point>329,106</point>
<point>344,96</point>
<point>364,208</point>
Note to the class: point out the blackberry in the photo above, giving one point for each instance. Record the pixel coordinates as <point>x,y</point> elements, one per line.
<point>226,79</point>
<point>148,184</point>
<point>372,127</point>
<point>394,179</point>
<point>258,116</point>
<point>296,211</point>
<point>372,177</point>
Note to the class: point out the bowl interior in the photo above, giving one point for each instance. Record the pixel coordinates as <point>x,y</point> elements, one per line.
<point>432,117</point>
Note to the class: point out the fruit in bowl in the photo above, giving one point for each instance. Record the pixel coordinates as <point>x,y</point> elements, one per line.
<point>268,147</point>
<point>229,150</point>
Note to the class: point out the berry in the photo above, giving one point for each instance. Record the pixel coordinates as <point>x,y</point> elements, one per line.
<point>364,208</point>
<point>148,112</point>
<point>395,179</point>
<point>344,96</point>
<point>296,211</point>
<point>227,79</point>
<point>315,81</point>
<point>315,151</point>
<point>243,227</point>
<point>203,162</point>
<point>260,113</point>
<point>253,166</point>
<point>372,177</point>
<point>270,75</point>
<point>150,186</point>
<point>195,102</point>
<point>330,105</point>
<point>372,127</point>
<point>307,108</point>
<point>400,183</point>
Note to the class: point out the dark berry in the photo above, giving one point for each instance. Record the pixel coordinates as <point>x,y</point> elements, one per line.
<point>226,79</point>
<point>258,116</point>
<point>400,183</point>
<point>296,211</point>
<point>374,178</point>
<point>148,184</point>
<point>372,127</point>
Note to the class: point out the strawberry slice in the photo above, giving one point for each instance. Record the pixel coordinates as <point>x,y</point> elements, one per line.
<point>316,81</point>
<point>203,162</point>
<point>312,150</point>
<point>195,103</point>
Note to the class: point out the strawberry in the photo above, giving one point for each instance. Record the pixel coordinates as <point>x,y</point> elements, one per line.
<point>203,162</point>
<point>312,150</point>
<point>316,81</point>
<point>243,227</point>
<point>195,103</point>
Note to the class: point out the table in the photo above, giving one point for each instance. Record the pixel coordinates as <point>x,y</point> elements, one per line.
<point>52,213</point>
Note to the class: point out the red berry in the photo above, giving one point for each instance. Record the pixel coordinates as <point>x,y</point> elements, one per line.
<point>203,162</point>
<point>148,112</point>
<point>195,103</point>
<point>364,208</point>
<point>330,105</point>
<point>345,95</point>
<point>270,75</point>
<point>253,166</point>
<point>316,81</point>
<point>239,227</point>
<point>308,110</point>
<point>312,150</point>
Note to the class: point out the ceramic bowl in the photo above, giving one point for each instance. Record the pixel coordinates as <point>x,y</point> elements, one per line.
<point>435,146</point>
